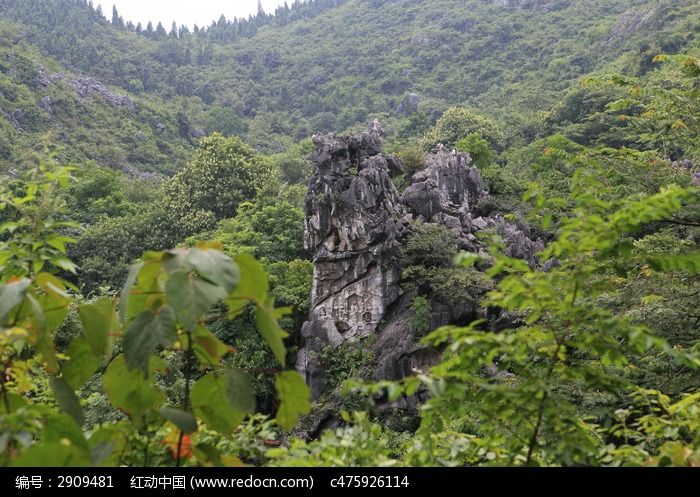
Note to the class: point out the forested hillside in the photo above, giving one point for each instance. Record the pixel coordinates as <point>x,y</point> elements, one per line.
<point>326,67</point>
<point>208,258</point>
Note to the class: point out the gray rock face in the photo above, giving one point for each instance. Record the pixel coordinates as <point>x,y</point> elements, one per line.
<point>15,118</point>
<point>45,104</point>
<point>408,105</point>
<point>443,191</point>
<point>397,351</point>
<point>198,133</point>
<point>628,24</point>
<point>518,242</point>
<point>355,222</point>
<point>85,87</point>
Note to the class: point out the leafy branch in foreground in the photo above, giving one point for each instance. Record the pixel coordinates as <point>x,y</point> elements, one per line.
<point>163,305</point>
<point>519,390</point>
<point>561,384</point>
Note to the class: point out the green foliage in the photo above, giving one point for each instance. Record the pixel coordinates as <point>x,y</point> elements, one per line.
<point>223,173</point>
<point>427,256</point>
<point>272,233</point>
<point>430,245</point>
<point>362,443</point>
<point>413,158</point>
<point>653,112</point>
<point>506,62</point>
<point>223,399</point>
<point>33,231</point>
<point>459,123</point>
<point>479,149</point>
<point>592,362</point>
<point>296,399</point>
<point>163,306</point>
<point>421,315</point>
<point>291,284</point>
<point>100,193</point>
<point>567,344</point>
<point>346,361</point>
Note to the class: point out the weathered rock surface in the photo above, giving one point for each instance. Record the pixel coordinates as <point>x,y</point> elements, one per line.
<point>356,220</point>
<point>198,133</point>
<point>15,118</point>
<point>408,105</point>
<point>627,25</point>
<point>84,87</point>
<point>45,104</point>
<point>444,191</point>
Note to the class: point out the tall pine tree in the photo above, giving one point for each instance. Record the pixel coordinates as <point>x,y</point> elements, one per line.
<point>116,19</point>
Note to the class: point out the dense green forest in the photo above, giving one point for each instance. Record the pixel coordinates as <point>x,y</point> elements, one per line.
<point>154,278</point>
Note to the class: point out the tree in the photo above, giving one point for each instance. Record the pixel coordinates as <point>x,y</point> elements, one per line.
<point>161,312</point>
<point>160,31</point>
<point>223,173</point>
<point>518,392</point>
<point>272,233</point>
<point>117,21</point>
<point>478,149</point>
<point>459,122</point>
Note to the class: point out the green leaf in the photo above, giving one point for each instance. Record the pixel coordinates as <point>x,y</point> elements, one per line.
<point>14,402</point>
<point>54,300</point>
<point>59,427</point>
<point>59,242</point>
<point>207,347</point>
<point>53,455</point>
<point>222,399</point>
<point>109,441</point>
<point>467,259</point>
<point>62,444</point>
<point>240,391</point>
<point>294,396</point>
<point>82,365</point>
<point>129,390</point>
<point>182,419</point>
<point>11,294</point>
<point>191,297</point>
<point>66,399</point>
<point>145,332</point>
<point>411,385</point>
<point>688,263</point>
<point>208,452</point>
<point>215,267</point>
<point>99,320</point>
<point>64,263</point>
<point>253,285</point>
<point>127,288</point>
<point>270,330</point>
<point>57,285</point>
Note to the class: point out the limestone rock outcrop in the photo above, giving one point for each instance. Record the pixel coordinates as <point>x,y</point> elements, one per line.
<point>444,192</point>
<point>84,87</point>
<point>355,222</point>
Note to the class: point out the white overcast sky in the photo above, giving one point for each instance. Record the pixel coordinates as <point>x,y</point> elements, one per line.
<point>188,12</point>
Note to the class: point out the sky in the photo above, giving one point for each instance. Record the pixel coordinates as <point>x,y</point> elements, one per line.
<point>188,12</point>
